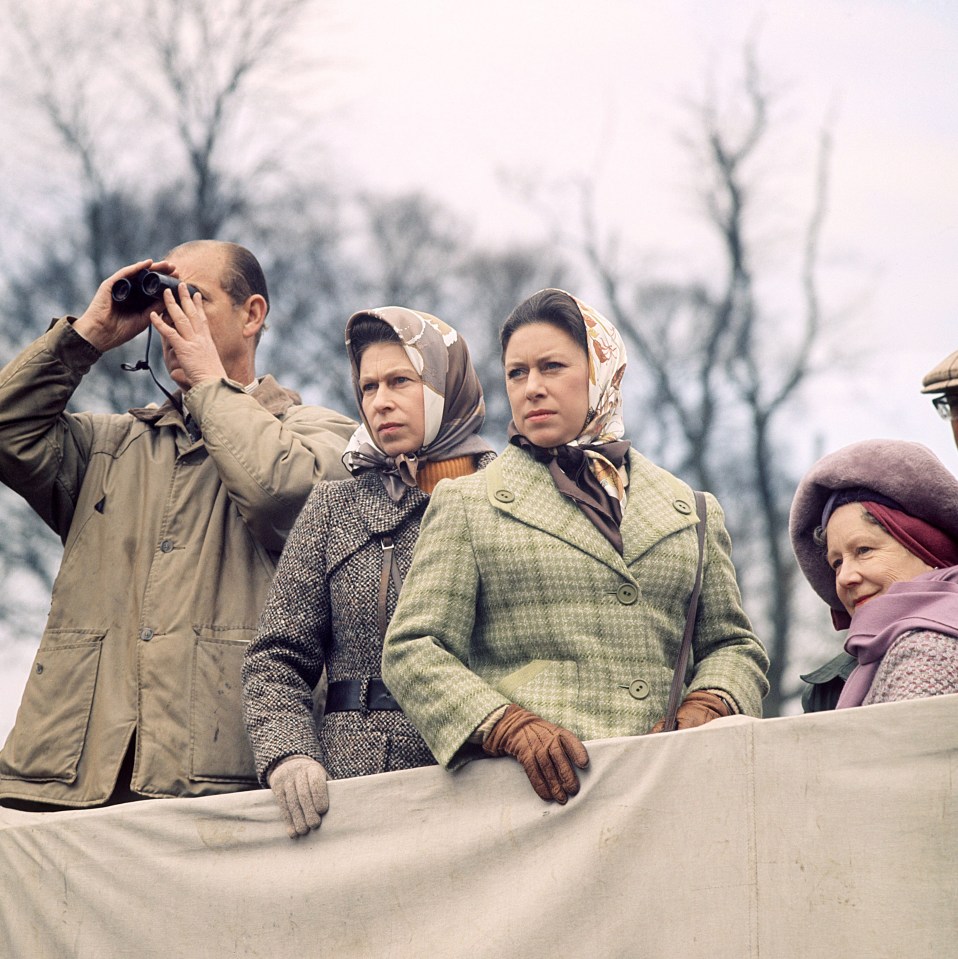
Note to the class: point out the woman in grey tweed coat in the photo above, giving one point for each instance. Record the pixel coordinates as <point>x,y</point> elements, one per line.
<point>338,579</point>
<point>547,598</point>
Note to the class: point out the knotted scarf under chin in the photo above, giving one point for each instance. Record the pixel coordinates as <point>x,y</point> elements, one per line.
<point>401,472</point>
<point>573,472</point>
<point>397,473</point>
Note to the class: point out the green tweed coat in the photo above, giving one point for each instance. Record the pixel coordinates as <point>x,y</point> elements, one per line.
<point>515,596</point>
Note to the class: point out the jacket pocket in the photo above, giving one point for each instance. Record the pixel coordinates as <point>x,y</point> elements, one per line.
<point>48,738</point>
<point>219,749</point>
<point>549,687</point>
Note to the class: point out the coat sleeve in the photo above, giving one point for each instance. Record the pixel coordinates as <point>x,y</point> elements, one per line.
<point>919,664</point>
<point>43,449</point>
<point>426,651</point>
<point>285,661</point>
<point>268,464</point>
<point>727,654</point>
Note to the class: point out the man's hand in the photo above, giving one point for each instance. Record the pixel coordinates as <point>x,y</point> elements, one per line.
<point>548,753</point>
<point>299,785</point>
<point>697,709</point>
<point>105,326</point>
<point>188,343</point>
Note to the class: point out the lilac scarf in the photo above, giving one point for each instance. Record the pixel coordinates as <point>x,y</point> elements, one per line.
<point>929,601</point>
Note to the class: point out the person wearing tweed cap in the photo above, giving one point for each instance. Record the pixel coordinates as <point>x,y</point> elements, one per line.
<point>874,527</point>
<point>942,382</point>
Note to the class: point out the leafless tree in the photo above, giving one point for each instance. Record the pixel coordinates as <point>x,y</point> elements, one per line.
<point>147,110</point>
<point>724,364</point>
<point>137,117</point>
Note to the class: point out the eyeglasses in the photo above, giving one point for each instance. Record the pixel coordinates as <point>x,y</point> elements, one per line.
<point>946,410</point>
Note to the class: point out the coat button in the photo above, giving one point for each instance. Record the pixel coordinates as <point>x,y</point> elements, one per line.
<point>39,668</point>
<point>146,634</point>
<point>638,689</point>
<point>166,545</point>
<point>682,506</point>
<point>504,495</point>
<point>627,594</point>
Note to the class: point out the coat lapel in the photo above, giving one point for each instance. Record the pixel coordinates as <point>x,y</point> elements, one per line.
<point>373,515</point>
<point>367,513</point>
<point>516,484</point>
<point>659,504</point>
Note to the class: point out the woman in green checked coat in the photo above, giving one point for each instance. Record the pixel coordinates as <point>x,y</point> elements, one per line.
<point>547,597</point>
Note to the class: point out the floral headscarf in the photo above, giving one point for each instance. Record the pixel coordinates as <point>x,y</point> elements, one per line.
<point>590,468</point>
<point>604,424</point>
<point>452,399</point>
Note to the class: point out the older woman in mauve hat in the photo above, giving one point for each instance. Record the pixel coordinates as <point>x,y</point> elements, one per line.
<point>874,527</point>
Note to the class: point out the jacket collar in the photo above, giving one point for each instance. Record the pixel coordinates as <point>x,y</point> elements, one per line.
<point>658,505</point>
<point>271,396</point>
<point>379,513</point>
<point>373,515</point>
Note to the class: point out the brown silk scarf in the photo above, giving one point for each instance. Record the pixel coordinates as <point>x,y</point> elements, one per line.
<point>571,472</point>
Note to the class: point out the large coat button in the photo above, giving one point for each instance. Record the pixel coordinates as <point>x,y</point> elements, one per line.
<point>627,594</point>
<point>146,634</point>
<point>504,495</point>
<point>682,506</point>
<point>638,689</point>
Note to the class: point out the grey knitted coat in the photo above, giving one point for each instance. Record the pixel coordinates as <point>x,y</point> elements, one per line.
<point>322,610</point>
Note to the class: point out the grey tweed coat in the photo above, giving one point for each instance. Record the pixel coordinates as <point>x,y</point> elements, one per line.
<point>322,610</point>
<point>514,596</point>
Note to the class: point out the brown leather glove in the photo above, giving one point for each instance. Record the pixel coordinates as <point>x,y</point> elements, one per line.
<point>697,709</point>
<point>299,785</point>
<point>547,752</point>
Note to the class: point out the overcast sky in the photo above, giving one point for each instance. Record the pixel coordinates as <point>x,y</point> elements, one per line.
<point>447,96</point>
<point>444,96</point>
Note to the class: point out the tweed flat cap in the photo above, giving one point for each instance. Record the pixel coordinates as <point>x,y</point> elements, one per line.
<point>908,473</point>
<point>943,377</point>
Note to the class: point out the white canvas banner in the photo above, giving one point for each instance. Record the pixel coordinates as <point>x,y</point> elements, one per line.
<point>831,835</point>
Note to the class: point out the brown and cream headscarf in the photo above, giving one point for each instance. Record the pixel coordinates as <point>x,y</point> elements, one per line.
<point>452,399</point>
<point>590,469</point>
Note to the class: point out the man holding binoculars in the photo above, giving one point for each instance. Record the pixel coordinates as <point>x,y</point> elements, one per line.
<point>172,519</point>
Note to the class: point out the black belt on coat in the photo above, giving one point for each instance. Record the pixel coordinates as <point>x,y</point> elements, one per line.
<point>347,694</point>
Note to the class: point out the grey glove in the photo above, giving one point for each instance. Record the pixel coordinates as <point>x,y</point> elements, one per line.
<point>299,785</point>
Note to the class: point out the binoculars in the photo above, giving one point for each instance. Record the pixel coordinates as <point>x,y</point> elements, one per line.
<point>135,294</point>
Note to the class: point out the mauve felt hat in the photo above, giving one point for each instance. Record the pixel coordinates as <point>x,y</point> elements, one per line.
<point>908,473</point>
<point>943,377</point>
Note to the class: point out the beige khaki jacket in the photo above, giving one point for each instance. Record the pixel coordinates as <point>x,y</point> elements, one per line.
<point>170,544</point>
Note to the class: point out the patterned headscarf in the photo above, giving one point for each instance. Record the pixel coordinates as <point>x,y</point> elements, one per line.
<point>452,399</point>
<point>590,468</point>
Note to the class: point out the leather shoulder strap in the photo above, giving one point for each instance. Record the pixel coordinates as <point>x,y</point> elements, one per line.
<point>390,568</point>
